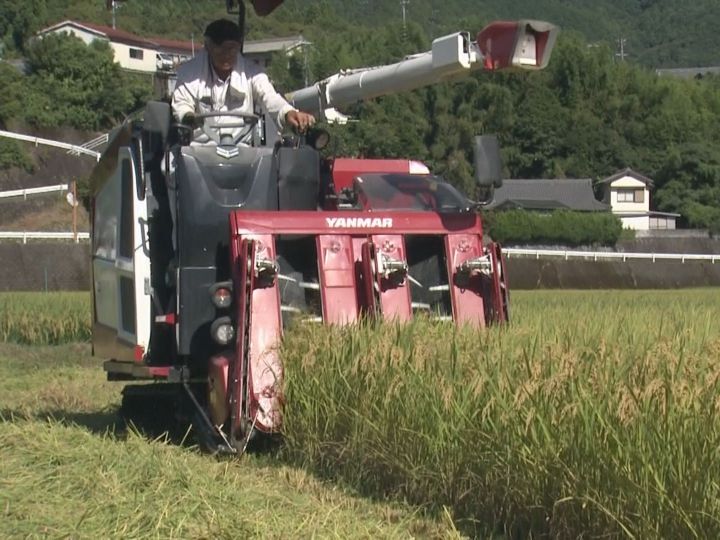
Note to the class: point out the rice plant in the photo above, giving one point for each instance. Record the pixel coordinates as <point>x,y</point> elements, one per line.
<point>591,414</point>
<point>44,318</point>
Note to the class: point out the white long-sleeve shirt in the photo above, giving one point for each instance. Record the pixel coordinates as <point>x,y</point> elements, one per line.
<point>199,90</point>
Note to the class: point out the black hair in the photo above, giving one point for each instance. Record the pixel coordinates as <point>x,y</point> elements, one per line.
<point>223,30</point>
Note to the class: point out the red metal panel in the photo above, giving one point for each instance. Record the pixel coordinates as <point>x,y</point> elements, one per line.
<point>336,265</point>
<point>353,223</point>
<point>465,294</point>
<point>393,297</point>
<point>218,386</point>
<point>265,367</point>
<point>241,256</point>
<point>345,170</point>
<point>159,372</point>
<point>137,371</point>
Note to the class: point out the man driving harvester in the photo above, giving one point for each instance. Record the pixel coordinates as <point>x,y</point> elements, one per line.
<point>219,80</point>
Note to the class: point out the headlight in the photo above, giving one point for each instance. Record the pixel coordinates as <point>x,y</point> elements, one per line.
<point>222,330</point>
<point>221,294</point>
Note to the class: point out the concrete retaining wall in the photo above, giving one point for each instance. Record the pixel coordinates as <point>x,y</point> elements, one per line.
<point>550,273</point>
<point>65,266</point>
<point>692,245</point>
<point>53,266</point>
<point>528,273</point>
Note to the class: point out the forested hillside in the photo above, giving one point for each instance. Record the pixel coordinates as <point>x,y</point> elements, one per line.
<point>588,115</point>
<point>657,33</point>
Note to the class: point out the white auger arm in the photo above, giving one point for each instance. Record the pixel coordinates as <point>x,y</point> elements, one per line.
<point>521,44</point>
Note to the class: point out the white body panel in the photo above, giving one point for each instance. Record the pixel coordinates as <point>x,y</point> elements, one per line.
<point>121,266</point>
<point>502,44</point>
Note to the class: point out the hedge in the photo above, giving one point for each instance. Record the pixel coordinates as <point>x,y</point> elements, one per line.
<point>557,227</point>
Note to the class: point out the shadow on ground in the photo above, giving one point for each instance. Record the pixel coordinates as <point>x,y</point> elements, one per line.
<point>109,421</point>
<point>152,424</point>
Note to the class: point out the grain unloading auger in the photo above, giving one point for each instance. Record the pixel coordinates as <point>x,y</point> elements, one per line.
<point>202,254</point>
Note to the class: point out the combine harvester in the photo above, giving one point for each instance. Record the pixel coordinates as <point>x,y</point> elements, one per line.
<point>196,271</point>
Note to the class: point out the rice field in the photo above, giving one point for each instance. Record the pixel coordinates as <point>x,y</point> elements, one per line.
<point>595,414</point>
<point>592,414</point>
<point>49,318</point>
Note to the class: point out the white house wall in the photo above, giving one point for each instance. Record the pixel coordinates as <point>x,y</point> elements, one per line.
<point>87,37</point>
<point>122,56</point>
<point>628,182</point>
<point>121,51</point>
<point>641,223</point>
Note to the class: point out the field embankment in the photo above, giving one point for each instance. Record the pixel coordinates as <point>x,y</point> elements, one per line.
<point>592,414</point>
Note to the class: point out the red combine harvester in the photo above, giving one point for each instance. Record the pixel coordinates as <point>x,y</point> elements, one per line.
<point>202,254</point>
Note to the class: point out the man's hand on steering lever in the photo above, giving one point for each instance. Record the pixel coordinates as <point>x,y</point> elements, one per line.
<point>300,121</point>
<point>191,121</point>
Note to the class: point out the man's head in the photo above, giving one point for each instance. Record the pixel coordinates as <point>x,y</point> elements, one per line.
<point>223,41</point>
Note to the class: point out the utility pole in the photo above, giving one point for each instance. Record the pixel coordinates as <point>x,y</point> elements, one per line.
<point>74,209</point>
<point>433,23</point>
<point>622,54</point>
<point>112,6</point>
<point>404,4</point>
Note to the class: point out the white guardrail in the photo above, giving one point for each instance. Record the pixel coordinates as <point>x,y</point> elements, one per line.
<point>93,143</point>
<point>509,252</point>
<point>25,236</point>
<point>613,255</point>
<point>49,142</point>
<point>33,191</point>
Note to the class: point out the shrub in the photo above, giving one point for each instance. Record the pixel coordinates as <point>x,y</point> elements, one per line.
<point>558,227</point>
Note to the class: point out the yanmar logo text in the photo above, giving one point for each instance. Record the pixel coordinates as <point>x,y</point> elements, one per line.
<point>359,222</point>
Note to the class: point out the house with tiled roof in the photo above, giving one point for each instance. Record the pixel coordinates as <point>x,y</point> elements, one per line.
<point>543,194</point>
<point>132,52</point>
<point>628,194</point>
<point>155,54</point>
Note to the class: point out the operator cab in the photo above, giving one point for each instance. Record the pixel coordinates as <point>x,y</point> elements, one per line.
<point>160,222</point>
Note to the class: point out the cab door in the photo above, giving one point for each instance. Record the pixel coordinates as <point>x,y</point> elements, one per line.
<point>120,265</point>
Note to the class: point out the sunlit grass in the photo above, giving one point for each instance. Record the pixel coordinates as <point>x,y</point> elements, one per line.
<point>71,469</point>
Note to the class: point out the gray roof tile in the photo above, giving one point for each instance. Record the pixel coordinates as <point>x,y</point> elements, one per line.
<point>627,171</point>
<point>548,194</point>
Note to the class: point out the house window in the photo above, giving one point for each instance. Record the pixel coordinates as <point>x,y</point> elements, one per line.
<point>661,223</point>
<point>631,195</point>
<point>137,54</point>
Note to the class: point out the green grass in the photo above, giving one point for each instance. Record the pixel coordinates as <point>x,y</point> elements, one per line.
<point>70,470</point>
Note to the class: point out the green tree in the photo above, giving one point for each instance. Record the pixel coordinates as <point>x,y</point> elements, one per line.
<point>13,84</point>
<point>18,20</point>
<point>80,85</point>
